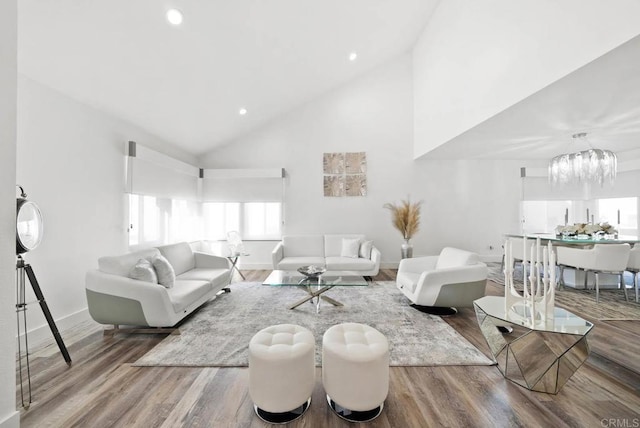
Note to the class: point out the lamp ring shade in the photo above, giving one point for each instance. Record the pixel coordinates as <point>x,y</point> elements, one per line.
<point>28,225</point>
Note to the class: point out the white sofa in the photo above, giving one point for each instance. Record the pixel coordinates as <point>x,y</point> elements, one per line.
<point>115,298</point>
<point>295,251</point>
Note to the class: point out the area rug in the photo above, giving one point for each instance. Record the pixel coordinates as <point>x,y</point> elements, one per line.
<point>218,334</point>
<point>582,302</point>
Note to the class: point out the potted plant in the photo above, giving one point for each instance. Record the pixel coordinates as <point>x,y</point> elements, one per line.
<point>406,218</point>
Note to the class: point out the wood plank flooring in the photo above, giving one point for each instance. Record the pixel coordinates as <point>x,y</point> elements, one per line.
<point>102,389</point>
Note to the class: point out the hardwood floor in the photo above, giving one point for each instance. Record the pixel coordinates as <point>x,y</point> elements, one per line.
<point>103,389</point>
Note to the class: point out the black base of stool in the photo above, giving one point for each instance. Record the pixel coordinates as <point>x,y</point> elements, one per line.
<point>354,415</point>
<point>284,417</point>
<point>436,310</point>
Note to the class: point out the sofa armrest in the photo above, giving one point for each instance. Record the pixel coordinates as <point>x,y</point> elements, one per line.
<point>209,261</point>
<point>153,298</point>
<point>277,254</point>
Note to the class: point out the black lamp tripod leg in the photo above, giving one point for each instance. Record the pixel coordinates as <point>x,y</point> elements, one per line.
<point>47,313</point>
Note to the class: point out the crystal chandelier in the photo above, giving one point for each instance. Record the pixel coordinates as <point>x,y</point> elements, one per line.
<point>587,166</point>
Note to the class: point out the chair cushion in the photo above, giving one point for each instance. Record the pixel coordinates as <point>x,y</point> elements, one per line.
<point>185,292</point>
<point>122,265</point>
<point>408,280</point>
<point>180,256</point>
<point>452,257</point>
<point>293,263</point>
<point>303,245</point>
<point>349,263</point>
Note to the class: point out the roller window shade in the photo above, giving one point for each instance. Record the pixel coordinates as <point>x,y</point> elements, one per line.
<point>242,185</point>
<point>154,174</point>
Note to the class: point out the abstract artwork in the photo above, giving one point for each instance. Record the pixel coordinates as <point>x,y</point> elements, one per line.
<point>345,174</point>
<point>334,185</point>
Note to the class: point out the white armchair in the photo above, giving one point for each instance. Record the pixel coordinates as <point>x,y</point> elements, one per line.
<point>439,284</point>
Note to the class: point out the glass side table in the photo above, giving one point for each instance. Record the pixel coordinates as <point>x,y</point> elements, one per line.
<point>233,258</point>
<point>541,355</point>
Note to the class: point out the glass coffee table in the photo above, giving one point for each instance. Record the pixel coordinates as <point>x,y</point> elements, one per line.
<point>315,287</point>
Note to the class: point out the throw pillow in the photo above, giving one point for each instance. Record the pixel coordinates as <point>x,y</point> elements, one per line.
<point>144,271</point>
<point>166,274</point>
<point>350,247</point>
<point>365,249</point>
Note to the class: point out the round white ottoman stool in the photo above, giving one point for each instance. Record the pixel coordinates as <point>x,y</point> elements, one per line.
<point>355,370</point>
<point>282,372</point>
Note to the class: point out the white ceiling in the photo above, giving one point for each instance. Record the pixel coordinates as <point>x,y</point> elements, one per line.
<point>601,98</point>
<point>186,84</point>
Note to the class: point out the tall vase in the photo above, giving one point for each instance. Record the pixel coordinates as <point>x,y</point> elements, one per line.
<point>407,249</point>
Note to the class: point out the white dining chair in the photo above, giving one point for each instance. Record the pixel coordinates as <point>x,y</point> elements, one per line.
<point>602,258</point>
<point>633,266</point>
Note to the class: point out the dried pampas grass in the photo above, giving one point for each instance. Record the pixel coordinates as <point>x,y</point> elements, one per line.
<point>406,217</point>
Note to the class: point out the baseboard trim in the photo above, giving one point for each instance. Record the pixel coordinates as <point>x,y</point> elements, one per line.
<point>11,421</point>
<point>42,334</point>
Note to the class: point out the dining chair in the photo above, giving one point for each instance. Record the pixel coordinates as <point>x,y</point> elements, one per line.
<point>633,266</point>
<point>602,258</point>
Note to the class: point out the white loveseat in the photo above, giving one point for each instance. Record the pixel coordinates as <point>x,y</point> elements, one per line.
<point>295,251</point>
<point>115,298</point>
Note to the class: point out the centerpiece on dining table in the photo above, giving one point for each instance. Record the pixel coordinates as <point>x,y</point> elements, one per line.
<point>586,230</point>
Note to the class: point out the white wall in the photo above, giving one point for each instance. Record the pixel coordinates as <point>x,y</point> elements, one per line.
<point>466,203</point>
<point>475,59</point>
<point>9,418</point>
<point>71,162</point>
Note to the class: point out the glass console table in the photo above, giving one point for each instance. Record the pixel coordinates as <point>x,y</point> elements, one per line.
<point>540,355</point>
<point>314,287</point>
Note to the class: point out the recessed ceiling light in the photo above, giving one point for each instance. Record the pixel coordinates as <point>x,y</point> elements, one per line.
<point>174,16</point>
<point>353,56</point>
<point>242,111</point>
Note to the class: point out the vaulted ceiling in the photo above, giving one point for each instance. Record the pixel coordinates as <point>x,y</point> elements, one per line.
<point>187,83</point>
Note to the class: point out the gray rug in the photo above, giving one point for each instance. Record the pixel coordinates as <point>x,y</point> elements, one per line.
<point>218,334</point>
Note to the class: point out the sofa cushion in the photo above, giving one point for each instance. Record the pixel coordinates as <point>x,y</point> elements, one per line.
<point>293,263</point>
<point>349,263</point>
<point>350,247</point>
<point>333,243</point>
<point>164,270</point>
<point>202,274</point>
<point>144,271</point>
<point>303,245</point>
<point>453,257</point>
<point>365,249</point>
<point>186,292</point>
<point>122,265</point>
<point>180,256</point>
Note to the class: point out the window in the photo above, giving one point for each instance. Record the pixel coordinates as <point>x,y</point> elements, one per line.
<point>157,221</point>
<point>219,218</point>
<point>545,216</point>
<point>262,220</point>
<point>622,213</point>
<point>253,220</point>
